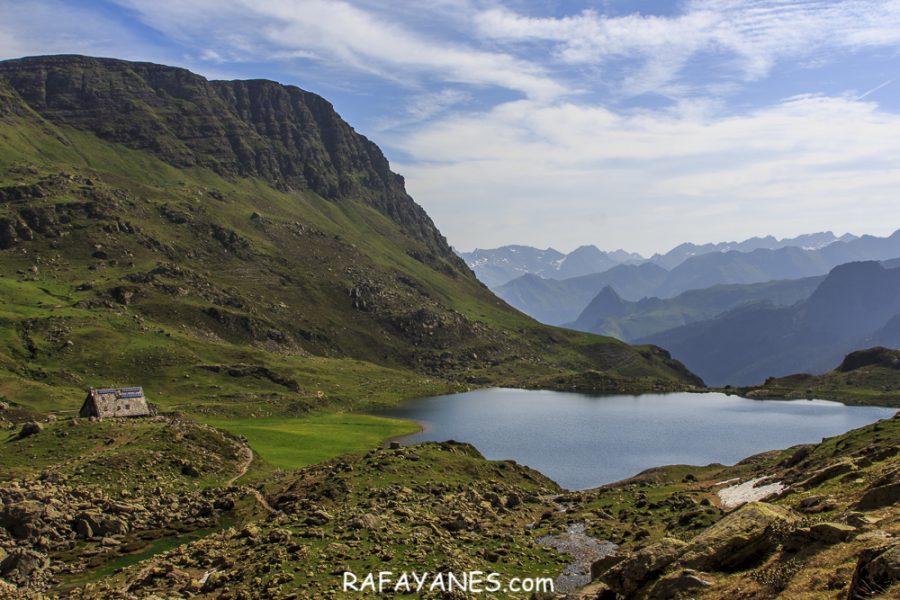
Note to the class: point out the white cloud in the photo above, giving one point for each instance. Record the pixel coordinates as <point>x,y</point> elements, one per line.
<point>569,174</point>
<point>755,34</point>
<point>343,34</point>
<point>424,107</point>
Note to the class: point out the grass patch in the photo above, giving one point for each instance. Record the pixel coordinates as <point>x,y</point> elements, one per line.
<point>292,443</point>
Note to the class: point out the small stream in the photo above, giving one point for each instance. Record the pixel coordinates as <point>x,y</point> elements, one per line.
<point>583,549</point>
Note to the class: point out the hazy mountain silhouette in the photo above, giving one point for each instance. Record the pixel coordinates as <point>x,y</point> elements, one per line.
<point>856,305</point>
<point>609,314</point>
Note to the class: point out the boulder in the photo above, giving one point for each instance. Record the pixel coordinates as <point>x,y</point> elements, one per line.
<point>826,473</point>
<point>820,533</point>
<point>83,529</point>
<point>279,535</point>
<point>861,520</point>
<point>21,565</point>
<point>879,497</point>
<point>601,566</point>
<point>22,519</point>
<point>831,533</point>
<point>738,538</point>
<point>366,521</point>
<point>30,428</point>
<point>250,531</point>
<point>638,568</point>
<point>682,584</point>
<point>877,569</point>
<point>101,525</point>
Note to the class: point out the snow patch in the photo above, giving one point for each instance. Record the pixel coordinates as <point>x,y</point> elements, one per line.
<point>739,494</point>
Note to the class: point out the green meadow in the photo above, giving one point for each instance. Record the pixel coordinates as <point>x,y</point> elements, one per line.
<point>291,443</point>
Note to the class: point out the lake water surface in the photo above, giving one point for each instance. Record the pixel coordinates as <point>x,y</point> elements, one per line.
<point>583,441</point>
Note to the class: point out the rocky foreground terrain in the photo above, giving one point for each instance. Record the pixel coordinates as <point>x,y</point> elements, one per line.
<point>815,521</point>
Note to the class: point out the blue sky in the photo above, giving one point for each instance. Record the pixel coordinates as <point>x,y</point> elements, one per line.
<point>632,124</point>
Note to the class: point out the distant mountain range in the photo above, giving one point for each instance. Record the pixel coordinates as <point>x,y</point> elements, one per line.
<point>558,302</point>
<point>856,306</point>
<point>498,266</point>
<point>809,241</point>
<point>609,314</point>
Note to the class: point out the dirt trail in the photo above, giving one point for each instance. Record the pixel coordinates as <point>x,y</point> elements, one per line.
<point>247,459</point>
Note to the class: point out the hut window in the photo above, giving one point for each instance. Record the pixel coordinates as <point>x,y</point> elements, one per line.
<point>127,407</point>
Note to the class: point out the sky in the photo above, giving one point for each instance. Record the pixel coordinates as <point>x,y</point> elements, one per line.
<point>624,124</point>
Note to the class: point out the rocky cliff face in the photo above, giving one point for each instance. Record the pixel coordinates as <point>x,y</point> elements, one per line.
<point>291,138</point>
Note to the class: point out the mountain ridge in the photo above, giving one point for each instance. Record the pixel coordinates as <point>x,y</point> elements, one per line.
<point>498,266</point>
<point>571,296</point>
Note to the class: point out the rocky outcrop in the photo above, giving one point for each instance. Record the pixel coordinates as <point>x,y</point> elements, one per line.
<point>671,568</point>
<point>738,539</point>
<point>633,572</point>
<point>679,585</point>
<point>880,357</point>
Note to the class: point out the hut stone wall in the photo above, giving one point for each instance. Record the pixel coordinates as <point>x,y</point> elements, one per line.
<point>115,402</point>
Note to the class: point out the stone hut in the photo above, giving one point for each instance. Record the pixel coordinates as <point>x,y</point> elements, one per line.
<point>115,402</point>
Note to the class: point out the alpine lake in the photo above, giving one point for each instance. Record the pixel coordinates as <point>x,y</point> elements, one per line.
<point>583,441</point>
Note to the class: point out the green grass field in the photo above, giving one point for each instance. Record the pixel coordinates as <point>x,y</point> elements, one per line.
<point>291,443</point>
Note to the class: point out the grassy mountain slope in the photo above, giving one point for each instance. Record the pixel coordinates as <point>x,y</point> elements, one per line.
<point>155,229</point>
<point>609,315</point>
